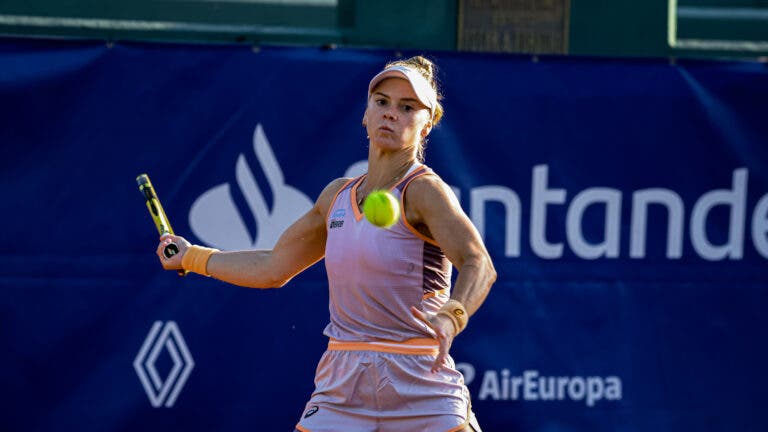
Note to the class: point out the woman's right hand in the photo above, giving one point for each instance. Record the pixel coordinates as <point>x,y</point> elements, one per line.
<point>174,262</point>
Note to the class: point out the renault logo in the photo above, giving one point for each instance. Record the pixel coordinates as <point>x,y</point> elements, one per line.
<point>163,391</point>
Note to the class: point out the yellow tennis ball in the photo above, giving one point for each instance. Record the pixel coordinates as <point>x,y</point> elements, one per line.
<point>381,208</point>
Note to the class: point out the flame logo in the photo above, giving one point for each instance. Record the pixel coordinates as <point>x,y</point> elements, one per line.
<point>215,219</point>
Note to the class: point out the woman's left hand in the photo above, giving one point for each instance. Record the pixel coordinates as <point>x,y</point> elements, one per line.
<point>444,329</point>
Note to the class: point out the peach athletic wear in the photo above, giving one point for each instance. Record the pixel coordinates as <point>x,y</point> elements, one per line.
<point>375,275</point>
<point>375,375</point>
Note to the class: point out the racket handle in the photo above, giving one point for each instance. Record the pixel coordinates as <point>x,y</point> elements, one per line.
<point>170,250</point>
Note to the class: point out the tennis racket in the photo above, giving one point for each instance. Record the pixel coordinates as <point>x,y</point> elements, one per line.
<point>158,215</point>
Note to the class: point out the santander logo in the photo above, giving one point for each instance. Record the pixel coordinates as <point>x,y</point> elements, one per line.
<point>215,219</point>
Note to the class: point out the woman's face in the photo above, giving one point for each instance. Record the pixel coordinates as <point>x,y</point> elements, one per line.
<point>395,118</point>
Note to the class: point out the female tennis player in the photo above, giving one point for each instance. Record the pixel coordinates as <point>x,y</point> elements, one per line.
<point>393,314</point>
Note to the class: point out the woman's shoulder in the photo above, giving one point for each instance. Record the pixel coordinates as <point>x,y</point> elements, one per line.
<point>325,200</point>
<point>336,185</point>
<point>428,184</point>
<point>427,195</point>
<point>427,189</point>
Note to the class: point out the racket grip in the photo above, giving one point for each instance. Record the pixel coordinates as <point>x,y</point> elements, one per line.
<point>170,250</point>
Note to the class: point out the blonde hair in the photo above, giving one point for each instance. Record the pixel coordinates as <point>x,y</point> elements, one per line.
<point>428,70</point>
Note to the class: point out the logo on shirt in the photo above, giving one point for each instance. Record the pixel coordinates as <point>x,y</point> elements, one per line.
<point>337,219</point>
<point>311,411</point>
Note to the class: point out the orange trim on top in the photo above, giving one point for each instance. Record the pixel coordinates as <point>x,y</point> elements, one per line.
<point>402,206</point>
<point>410,176</point>
<point>353,195</point>
<point>353,198</point>
<point>333,201</point>
<point>302,429</point>
<point>416,346</point>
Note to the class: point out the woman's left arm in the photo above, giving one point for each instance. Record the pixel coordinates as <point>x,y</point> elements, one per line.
<point>431,206</point>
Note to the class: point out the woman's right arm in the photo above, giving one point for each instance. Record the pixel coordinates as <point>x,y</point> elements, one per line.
<point>301,245</point>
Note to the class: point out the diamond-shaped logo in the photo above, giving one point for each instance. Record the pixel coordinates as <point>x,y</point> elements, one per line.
<point>163,391</point>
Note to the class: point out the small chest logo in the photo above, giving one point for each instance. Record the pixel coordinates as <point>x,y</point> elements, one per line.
<point>337,219</point>
<point>311,411</point>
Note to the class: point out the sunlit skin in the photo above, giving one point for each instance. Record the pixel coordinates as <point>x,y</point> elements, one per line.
<point>395,118</point>
<point>396,122</point>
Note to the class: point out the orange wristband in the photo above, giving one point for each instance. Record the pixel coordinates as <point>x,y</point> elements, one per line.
<point>456,311</point>
<point>196,258</point>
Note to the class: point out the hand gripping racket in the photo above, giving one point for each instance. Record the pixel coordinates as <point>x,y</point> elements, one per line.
<point>158,215</point>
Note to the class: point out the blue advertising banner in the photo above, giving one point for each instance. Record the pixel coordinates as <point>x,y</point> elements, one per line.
<point>624,203</point>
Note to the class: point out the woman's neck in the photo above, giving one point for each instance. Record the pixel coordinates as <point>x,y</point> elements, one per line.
<point>384,170</point>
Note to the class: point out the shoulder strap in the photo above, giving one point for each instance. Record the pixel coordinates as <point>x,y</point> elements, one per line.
<point>348,185</point>
<point>409,178</point>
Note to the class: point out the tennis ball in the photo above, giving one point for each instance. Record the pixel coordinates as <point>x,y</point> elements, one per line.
<point>381,208</point>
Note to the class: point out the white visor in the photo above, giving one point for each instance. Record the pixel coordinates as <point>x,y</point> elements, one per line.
<point>420,85</point>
